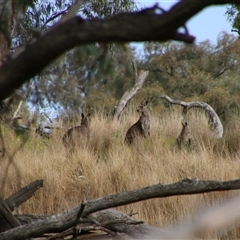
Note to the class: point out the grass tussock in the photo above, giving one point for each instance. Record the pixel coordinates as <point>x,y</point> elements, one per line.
<point>106,166</point>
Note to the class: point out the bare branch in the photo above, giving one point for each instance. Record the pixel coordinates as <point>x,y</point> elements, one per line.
<point>124,27</point>
<point>8,216</point>
<point>222,71</point>
<point>23,194</point>
<point>218,127</point>
<point>54,17</point>
<point>128,95</point>
<point>234,30</point>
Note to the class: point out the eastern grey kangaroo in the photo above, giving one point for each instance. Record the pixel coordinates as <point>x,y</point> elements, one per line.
<point>77,135</point>
<point>142,127</point>
<point>183,138</point>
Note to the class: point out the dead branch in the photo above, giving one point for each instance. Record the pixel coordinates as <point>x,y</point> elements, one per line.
<point>129,94</point>
<point>214,119</point>
<point>23,194</point>
<point>8,216</point>
<point>123,27</point>
<point>13,202</point>
<point>234,30</point>
<point>87,229</point>
<point>67,219</point>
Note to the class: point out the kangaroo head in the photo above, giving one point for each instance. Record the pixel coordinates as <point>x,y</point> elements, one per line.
<point>142,107</point>
<point>84,120</point>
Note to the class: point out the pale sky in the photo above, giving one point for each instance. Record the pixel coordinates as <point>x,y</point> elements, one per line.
<point>205,25</point>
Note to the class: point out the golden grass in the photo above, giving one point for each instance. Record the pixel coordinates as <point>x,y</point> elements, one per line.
<point>107,166</point>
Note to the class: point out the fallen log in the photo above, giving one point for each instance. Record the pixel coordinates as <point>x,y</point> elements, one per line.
<point>90,211</point>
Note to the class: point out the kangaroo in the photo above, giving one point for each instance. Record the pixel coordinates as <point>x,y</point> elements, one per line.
<point>78,133</point>
<point>183,138</point>
<point>142,127</point>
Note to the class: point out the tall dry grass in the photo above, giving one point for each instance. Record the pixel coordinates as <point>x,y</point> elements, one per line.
<point>107,166</point>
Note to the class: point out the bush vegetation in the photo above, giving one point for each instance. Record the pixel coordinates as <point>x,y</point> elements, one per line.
<point>107,166</point>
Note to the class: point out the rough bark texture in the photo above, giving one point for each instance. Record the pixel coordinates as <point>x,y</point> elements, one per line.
<point>117,221</point>
<point>23,194</point>
<point>69,218</point>
<point>120,28</point>
<point>6,219</point>
<point>216,122</point>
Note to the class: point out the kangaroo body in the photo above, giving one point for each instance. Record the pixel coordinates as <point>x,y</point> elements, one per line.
<point>142,127</point>
<point>77,135</point>
<point>183,138</point>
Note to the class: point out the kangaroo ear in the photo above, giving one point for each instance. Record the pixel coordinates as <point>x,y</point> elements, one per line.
<point>82,115</point>
<point>146,102</point>
<point>184,124</point>
<point>88,115</point>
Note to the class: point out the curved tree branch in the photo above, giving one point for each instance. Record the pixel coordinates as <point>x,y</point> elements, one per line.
<point>124,27</point>
<point>218,127</point>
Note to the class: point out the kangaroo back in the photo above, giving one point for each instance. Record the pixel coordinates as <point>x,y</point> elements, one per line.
<point>142,127</point>
<point>78,134</point>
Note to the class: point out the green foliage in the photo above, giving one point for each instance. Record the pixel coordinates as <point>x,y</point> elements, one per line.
<point>21,133</point>
<point>39,16</point>
<point>97,75</point>
<point>106,8</point>
<point>151,92</point>
<point>83,71</point>
<point>201,72</point>
<point>219,99</point>
<point>99,101</point>
<point>233,15</point>
<point>24,4</point>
